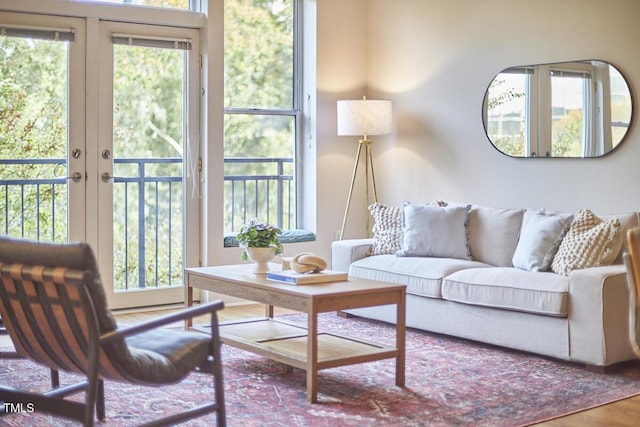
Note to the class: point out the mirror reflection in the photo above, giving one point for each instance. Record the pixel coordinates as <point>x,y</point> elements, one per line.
<point>568,109</point>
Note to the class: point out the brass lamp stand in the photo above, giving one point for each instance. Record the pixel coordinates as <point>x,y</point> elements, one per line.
<point>366,142</point>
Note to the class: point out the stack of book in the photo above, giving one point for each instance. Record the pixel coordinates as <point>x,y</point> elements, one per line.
<point>293,278</point>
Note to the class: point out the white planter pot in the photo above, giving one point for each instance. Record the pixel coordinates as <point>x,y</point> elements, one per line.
<point>261,258</point>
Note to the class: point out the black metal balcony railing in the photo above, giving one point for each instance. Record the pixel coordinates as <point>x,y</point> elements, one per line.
<point>268,196</point>
<point>147,208</point>
<point>31,207</point>
<point>147,232</point>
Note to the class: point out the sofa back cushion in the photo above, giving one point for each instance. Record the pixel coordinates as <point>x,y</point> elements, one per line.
<point>493,234</point>
<point>627,221</point>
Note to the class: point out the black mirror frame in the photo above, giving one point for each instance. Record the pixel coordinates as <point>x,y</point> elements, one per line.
<point>613,149</point>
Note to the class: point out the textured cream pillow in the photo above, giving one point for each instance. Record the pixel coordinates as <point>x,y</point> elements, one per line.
<point>387,228</point>
<point>590,242</point>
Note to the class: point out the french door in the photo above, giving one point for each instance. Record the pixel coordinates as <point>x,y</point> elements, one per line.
<point>147,139</point>
<point>120,167</point>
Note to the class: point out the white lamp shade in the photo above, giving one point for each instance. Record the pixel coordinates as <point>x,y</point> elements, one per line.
<point>364,117</point>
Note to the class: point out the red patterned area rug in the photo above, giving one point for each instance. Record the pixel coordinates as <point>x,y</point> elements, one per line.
<point>449,382</point>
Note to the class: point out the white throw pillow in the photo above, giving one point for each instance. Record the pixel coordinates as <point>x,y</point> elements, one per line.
<point>540,238</point>
<point>436,231</point>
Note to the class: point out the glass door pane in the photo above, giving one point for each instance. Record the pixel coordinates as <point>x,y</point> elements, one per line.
<point>148,141</point>
<point>145,152</point>
<point>38,150</point>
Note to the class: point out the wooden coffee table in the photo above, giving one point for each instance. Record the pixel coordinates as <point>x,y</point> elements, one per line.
<point>294,344</point>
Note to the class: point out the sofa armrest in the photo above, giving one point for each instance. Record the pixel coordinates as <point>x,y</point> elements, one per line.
<point>599,315</point>
<point>344,252</point>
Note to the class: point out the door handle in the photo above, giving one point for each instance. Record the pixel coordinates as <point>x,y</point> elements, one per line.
<point>75,177</point>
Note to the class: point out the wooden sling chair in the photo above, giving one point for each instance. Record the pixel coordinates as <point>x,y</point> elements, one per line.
<point>54,309</point>
<point>632,261</point>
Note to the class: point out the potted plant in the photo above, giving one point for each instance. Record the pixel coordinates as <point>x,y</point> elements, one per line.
<point>260,242</point>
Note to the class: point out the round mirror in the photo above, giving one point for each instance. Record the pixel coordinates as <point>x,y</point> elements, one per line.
<point>567,109</point>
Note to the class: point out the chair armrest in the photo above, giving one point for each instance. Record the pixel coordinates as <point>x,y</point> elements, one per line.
<point>189,313</point>
<point>344,252</point>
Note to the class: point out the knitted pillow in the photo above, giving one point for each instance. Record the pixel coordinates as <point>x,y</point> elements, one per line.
<point>590,242</point>
<point>387,228</point>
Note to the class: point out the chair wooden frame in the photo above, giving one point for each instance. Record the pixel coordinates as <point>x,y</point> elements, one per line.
<point>50,314</point>
<point>632,262</point>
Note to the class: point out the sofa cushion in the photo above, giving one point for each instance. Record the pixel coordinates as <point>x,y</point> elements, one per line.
<point>423,276</point>
<point>590,242</point>
<point>627,222</point>
<point>435,231</point>
<point>543,293</point>
<point>539,240</point>
<point>493,234</point>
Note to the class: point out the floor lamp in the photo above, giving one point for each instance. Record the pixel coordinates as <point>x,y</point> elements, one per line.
<point>363,117</point>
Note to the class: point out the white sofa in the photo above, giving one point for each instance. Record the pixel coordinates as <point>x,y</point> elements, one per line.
<point>581,316</point>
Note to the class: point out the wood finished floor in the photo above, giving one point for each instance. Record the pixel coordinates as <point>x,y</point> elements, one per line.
<point>624,413</point>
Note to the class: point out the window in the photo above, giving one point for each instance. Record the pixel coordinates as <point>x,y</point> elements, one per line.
<point>262,112</point>
<point>507,112</point>
<point>620,105</point>
<point>570,112</point>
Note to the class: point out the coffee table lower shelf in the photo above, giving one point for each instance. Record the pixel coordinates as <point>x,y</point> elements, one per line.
<point>286,342</point>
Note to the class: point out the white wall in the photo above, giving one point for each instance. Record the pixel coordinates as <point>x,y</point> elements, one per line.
<point>435,59</point>
<point>342,65</point>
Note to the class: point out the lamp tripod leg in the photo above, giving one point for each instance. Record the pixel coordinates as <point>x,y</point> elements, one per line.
<point>369,166</point>
<point>373,177</point>
<point>353,180</point>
